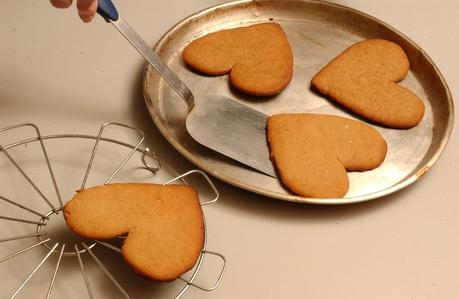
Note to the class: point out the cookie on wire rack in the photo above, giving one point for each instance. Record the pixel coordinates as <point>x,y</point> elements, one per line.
<point>164,224</point>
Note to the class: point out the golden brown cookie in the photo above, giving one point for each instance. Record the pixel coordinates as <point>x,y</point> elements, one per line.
<point>258,57</point>
<point>164,224</point>
<point>363,79</point>
<point>312,152</point>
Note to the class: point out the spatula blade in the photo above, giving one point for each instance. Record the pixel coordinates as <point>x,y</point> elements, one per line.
<point>231,129</point>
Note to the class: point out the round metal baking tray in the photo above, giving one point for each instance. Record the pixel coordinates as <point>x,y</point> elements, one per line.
<point>317,31</point>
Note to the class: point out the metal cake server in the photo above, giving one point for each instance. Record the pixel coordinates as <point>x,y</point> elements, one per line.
<point>215,121</point>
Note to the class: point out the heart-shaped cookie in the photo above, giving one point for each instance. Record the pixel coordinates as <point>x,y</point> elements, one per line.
<point>258,57</point>
<point>363,79</point>
<point>312,152</point>
<point>164,224</point>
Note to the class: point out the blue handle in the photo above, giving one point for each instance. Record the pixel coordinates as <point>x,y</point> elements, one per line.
<point>107,10</point>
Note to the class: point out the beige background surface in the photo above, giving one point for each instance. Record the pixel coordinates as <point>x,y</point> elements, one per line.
<point>69,77</point>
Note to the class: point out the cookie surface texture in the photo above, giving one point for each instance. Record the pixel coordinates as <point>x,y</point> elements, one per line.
<point>312,153</point>
<point>258,57</point>
<point>363,79</point>
<point>164,224</point>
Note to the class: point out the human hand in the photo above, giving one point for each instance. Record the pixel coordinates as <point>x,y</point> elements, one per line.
<point>86,8</point>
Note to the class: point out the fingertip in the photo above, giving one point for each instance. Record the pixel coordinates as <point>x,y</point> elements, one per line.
<point>87,5</point>
<point>85,17</point>
<point>61,3</point>
<point>87,9</point>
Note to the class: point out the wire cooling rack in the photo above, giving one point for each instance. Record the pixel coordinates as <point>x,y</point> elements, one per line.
<point>70,246</point>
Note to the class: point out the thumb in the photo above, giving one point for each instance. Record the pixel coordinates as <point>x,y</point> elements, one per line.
<point>87,9</point>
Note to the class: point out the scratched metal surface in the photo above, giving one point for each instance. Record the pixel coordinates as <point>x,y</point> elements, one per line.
<point>317,32</point>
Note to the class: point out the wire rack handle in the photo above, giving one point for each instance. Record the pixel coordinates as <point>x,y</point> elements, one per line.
<point>219,278</point>
<point>96,145</point>
<point>206,177</point>
<point>152,155</point>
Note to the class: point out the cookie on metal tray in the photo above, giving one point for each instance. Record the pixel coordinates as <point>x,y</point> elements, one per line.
<point>312,152</point>
<point>257,57</point>
<point>363,79</point>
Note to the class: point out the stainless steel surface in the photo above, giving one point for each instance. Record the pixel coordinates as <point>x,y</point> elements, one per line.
<point>232,129</point>
<point>317,31</point>
<point>208,123</point>
<point>27,149</point>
